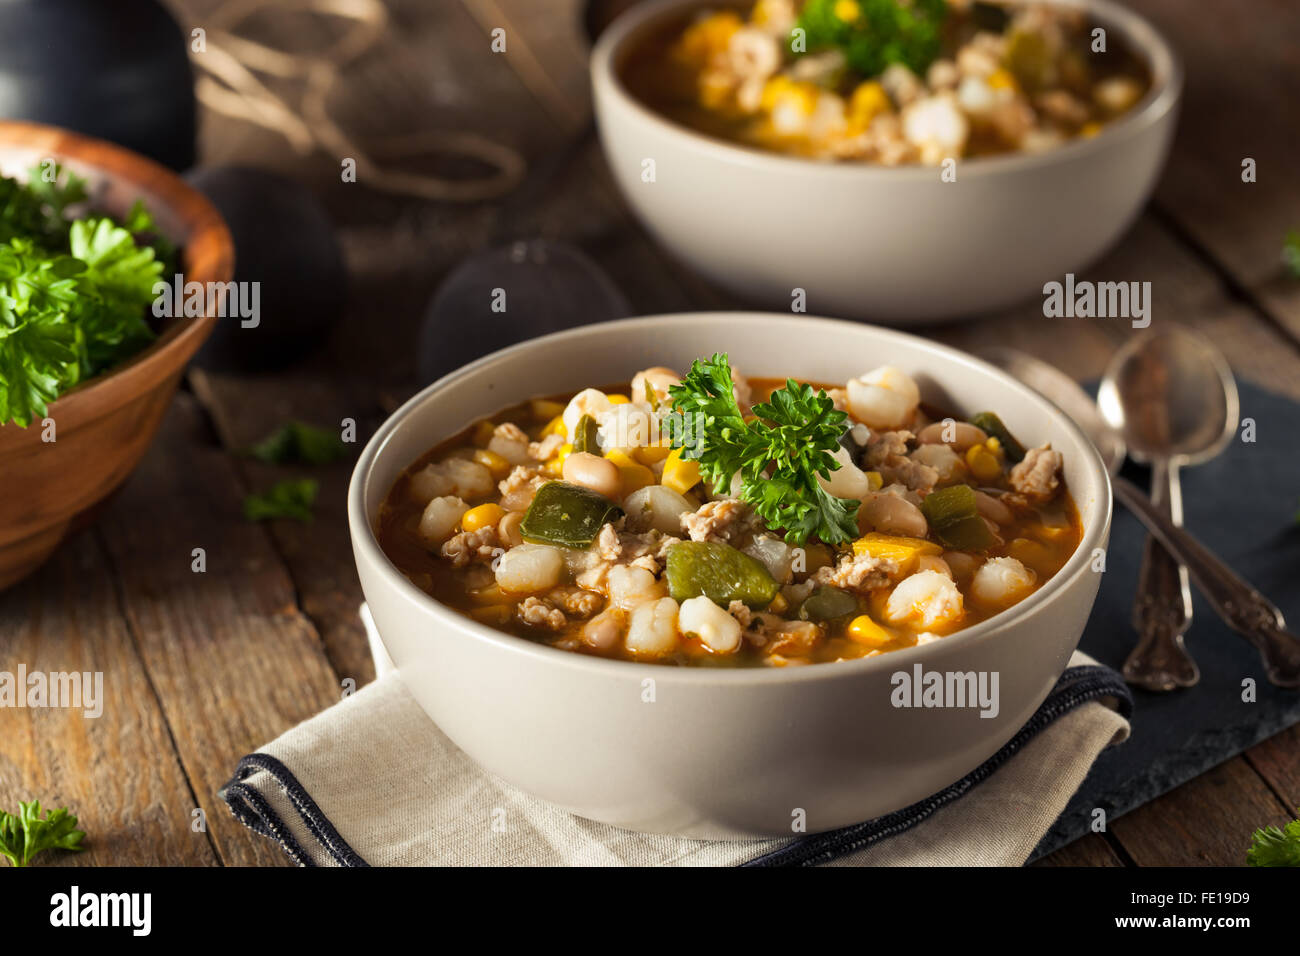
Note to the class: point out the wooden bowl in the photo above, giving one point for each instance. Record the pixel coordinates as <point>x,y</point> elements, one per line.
<point>104,425</point>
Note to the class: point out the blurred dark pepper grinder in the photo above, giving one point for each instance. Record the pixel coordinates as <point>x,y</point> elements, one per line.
<point>115,69</point>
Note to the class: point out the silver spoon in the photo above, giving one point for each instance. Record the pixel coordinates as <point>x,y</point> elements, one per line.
<point>1240,606</point>
<point>1174,399</point>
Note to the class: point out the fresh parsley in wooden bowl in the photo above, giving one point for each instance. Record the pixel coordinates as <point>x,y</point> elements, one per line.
<point>86,370</point>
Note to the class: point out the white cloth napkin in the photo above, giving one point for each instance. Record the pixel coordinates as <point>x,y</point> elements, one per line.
<point>373,781</point>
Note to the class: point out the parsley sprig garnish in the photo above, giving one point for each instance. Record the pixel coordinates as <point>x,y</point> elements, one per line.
<point>27,833</point>
<point>778,454</point>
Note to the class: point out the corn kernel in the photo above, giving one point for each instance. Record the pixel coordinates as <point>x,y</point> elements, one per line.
<point>617,399</point>
<point>555,465</point>
<point>544,409</point>
<point>847,10</point>
<point>779,604</point>
<point>902,550</point>
<point>863,630</point>
<point>1001,79</point>
<point>868,101</point>
<point>481,517</point>
<point>651,454</point>
<point>493,462</point>
<point>633,474</point>
<point>483,432</point>
<point>874,481</point>
<point>1031,554</point>
<point>680,474</point>
<point>983,464</point>
<point>555,427</point>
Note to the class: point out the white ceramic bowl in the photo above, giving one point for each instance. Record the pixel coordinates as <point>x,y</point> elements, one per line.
<point>718,753</point>
<point>893,245</point>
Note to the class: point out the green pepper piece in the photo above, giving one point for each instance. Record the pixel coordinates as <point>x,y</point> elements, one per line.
<point>966,534</point>
<point>719,572</point>
<point>954,518</point>
<point>827,604</point>
<point>567,515</point>
<point>990,424</point>
<point>584,435</point>
<point>946,506</point>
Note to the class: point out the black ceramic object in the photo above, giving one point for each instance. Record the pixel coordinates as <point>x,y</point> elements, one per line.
<point>114,69</point>
<point>544,287</point>
<point>283,240</point>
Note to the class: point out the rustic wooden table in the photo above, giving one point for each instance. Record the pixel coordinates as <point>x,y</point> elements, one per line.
<point>201,669</point>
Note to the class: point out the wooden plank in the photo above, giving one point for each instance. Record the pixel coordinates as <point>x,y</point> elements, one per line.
<point>118,772</point>
<point>233,661</point>
<point>1277,760</point>
<point>1091,850</point>
<point>1242,74</point>
<point>1207,821</point>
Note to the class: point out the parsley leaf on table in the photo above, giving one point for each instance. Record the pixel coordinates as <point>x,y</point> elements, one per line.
<point>299,442</point>
<point>778,455</point>
<point>1291,252</point>
<point>1273,847</point>
<point>291,498</point>
<point>27,833</point>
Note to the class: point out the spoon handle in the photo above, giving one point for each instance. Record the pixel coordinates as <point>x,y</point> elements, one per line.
<point>1242,608</point>
<point>1163,609</point>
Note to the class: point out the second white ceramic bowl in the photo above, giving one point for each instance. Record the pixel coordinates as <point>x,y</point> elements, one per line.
<point>703,752</point>
<point>893,245</point>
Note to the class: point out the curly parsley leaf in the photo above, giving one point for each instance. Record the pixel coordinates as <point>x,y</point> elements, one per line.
<point>872,34</point>
<point>1271,846</point>
<point>291,498</point>
<point>27,833</point>
<point>73,295</point>
<point>779,454</point>
<point>299,442</point>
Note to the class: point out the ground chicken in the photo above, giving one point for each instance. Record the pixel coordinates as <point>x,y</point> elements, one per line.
<point>544,449</point>
<point>539,613</point>
<point>578,602</point>
<point>1038,476</point>
<point>858,572</point>
<point>726,519</point>
<point>887,453</point>
<point>518,488</point>
<point>470,546</point>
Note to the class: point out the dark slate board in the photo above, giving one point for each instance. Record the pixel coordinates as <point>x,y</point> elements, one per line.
<point>1243,506</point>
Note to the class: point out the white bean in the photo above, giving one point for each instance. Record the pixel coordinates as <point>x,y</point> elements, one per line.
<point>652,632</point>
<point>886,397</point>
<point>717,629</point>
<point>629,586</point>
<point>453,476</point>
<point>603,631</point>
<point>590,401</point>
<point>530,568</point>
<point>440,517</point>
<point>1001,582</point>
<point>942,459</point>
<point>958,435</point>
<point>848,481</point>
<point>599,474</point>
<point>992,509</point>
<point>892,514</point>
<point>925,599</point>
